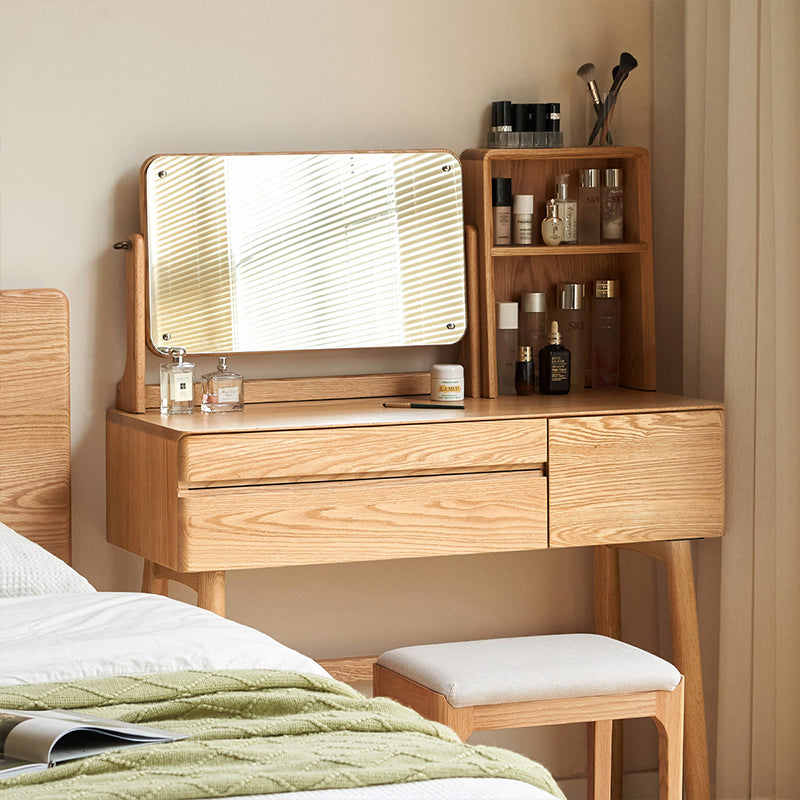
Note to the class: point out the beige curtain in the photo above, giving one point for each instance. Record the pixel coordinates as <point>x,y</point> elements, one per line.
<point>742,311</point>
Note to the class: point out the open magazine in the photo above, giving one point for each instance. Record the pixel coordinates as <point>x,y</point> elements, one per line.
<point>34,740</point>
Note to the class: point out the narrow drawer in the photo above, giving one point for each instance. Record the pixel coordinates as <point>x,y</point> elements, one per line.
<point>636,477</point>
<point>381,451</point>
<point>364,520</point>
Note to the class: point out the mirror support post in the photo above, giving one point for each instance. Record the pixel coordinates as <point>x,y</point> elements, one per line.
<point>471,344</point>
<point>131,388</point>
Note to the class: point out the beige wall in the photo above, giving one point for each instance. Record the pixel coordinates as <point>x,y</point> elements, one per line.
<point>90,88</point>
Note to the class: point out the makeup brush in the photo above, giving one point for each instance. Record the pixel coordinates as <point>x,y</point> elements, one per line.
<point>627,63</point>
<point>586,73</point>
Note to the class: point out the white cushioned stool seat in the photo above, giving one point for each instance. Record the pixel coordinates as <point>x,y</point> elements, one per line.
<point>493,671</point>
<point>526,681</point>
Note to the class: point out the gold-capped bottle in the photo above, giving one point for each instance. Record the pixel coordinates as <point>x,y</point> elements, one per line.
<point>554,366</point>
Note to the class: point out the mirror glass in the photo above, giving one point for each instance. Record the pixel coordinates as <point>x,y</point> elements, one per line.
<point>302,251</point>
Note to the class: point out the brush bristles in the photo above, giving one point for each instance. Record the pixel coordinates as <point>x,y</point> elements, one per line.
<point>586,72</point>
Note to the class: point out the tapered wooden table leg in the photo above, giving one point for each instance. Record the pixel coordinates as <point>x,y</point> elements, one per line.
<point>608,622</point>
<point>151,582</point>
<point>686,654</point>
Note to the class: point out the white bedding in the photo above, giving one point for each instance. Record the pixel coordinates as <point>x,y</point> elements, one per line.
<point>45,638</point>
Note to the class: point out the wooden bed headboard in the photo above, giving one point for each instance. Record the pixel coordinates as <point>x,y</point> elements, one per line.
<point>35,417</point>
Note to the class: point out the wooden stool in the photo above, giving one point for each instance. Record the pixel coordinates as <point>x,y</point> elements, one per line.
<point>544,680</point>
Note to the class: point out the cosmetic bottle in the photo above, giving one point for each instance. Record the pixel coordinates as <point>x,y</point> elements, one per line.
<point>589,207</point>
<point>539,124</point>
<point>605,334</point>
<point>567,209</point>
<point>533,323</point>
<point>177,384</point>
<point>612,206</point>
<point>552,225</point>
<point>501,124</point>
<point>571,316</point>
<point>554,365</point>
<point>447,382</point>
<point>524,378</point>
<point>501,210</point>
<point>522,219</point>
<point>223,390</point>
<point>506,346</point>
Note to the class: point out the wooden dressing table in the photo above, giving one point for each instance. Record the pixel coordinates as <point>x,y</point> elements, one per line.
<point>308,475</point>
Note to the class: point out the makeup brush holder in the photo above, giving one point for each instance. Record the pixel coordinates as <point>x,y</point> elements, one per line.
<point>613,125</point>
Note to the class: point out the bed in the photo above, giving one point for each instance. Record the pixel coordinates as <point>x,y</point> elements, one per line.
<point>263,720</point>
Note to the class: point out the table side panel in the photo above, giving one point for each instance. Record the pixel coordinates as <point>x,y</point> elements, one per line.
<point>141,499</point>
<point>361,520</point>
<point>636,478</point>
<point>329,453</point>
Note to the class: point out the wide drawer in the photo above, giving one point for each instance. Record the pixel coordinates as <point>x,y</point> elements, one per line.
<point>636,477</point>
<point>364,520</point>
<point>331,453</point>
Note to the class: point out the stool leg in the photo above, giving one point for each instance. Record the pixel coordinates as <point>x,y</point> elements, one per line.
<point>669,721</point>
<point>598,774</point>
<point>608,622</point>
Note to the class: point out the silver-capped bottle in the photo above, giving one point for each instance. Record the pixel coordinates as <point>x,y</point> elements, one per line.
<point>223,390</point>
<point>177,384</point>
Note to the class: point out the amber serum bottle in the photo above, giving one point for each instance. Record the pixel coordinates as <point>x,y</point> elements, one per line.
<point>524,376</point>
<point>554,367</point>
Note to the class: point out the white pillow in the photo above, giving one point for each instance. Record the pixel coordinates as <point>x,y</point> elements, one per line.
<point>26,568</point>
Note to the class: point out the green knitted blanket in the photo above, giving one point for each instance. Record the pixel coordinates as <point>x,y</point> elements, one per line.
<point>251,732</point>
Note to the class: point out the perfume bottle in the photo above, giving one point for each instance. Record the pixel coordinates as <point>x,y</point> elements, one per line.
<point>223,390</point>
<point>612,206</point>
<point>605,334</point>
<point>506,346</point>
<point>533,323</point>
<point>177,384</point>
<point>567,210</point>
<point>552,225</point>
<point>571,316</point>
<point>554,365</point>
<point>589,207</point>
<point>523,375</point>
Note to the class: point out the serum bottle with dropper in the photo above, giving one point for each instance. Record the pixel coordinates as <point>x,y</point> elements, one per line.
<point>554,365</point>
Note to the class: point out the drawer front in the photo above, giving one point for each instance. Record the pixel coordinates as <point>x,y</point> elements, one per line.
<point>367,520</point>
<point>636,477</point>
<point>381,451</point>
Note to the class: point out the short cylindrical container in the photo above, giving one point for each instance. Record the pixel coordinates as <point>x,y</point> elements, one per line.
<point>612,206</point>
<point>506,323</point>
<point>501,211</point>
<point>522,219</point>
<point>447,382</point>
<point>605,334</point>
<point>177,384</point>
<point>589,207</point>
<point>524,378</point>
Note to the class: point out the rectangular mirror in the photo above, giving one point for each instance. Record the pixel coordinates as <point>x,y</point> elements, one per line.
<point>304,251</point>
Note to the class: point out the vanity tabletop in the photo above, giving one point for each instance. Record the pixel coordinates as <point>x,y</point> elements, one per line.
<point>371,412</point>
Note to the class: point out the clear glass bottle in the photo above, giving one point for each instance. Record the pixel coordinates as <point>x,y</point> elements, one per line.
<point>506,346</point>
<point>571,316</point>
<point>605,334</point>
<point>612,206</point>
<point>589,207</point>
<point>223,390</point>
<point>567,209</point>
<point>552,225</point>
<point>524,379</point>
<point>177,384</point>
<point>554,365</point>
<point>533,323</point>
